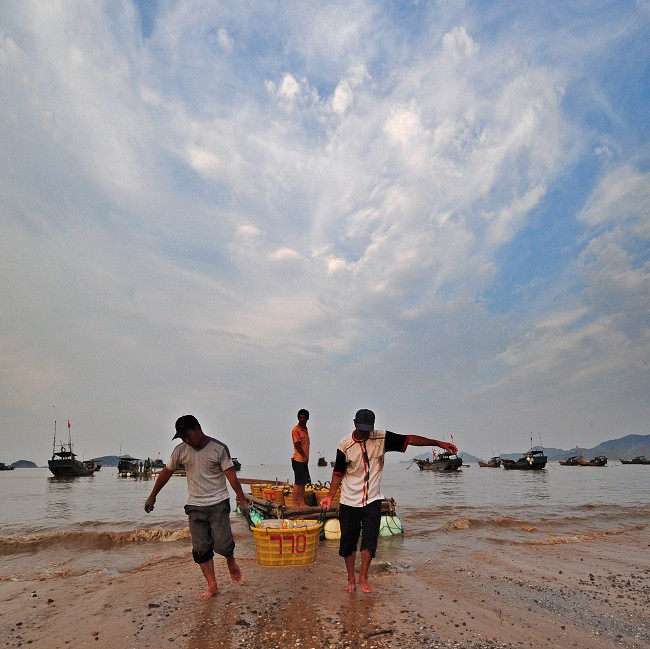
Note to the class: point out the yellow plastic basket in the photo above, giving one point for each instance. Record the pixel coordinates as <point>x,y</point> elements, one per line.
<point>282,543</point>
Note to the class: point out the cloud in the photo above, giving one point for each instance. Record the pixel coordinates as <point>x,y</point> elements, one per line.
<point>247,207</point>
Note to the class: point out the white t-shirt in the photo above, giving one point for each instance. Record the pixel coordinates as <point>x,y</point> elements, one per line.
<point>362,463</point>
<point>204,469</point>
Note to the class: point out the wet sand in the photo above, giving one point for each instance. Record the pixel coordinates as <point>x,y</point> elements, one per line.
<point>589,593</point>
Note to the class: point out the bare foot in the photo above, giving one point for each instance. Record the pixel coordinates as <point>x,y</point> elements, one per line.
<point>350,587</point>
<point>365,586</point>
<point>210,592</point>
<point>235,571</point>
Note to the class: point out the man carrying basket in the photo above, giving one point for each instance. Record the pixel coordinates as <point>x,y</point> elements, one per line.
<point>357,471</point>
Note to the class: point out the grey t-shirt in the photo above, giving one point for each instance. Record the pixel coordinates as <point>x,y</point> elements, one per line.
<point>206,481</point>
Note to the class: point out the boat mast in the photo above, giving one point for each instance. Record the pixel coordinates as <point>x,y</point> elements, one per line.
<point>54,441</point>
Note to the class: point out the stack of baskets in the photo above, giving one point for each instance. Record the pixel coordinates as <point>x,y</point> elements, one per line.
<point>280,543</point>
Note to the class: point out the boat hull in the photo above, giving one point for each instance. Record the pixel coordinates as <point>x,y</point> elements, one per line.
<point>68,468</point>
<point>441,464</point>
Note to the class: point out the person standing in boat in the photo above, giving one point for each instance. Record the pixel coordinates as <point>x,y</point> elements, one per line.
<point>358,470</point>
<point>207,466</point>
<point>300,458</point>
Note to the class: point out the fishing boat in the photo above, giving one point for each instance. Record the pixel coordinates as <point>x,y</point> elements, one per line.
<point>572,460</point>
<point>440,462</point>
<point>321,459</point>
<point>93,464</point>
<point>492,463</point>
<point>64,463</point>
<point>639,459</point>
<point>236,463</point>
<point>599,460</point>
<point>129,467</point>
<point>534,460</point>
<point>6,467</point>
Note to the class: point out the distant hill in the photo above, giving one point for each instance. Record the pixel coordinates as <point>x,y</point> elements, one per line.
<point>23,464</point>
<point>624,448</point>
<point>110,460</point>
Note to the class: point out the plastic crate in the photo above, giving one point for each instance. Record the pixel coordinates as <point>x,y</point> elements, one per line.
<point>281,543</point>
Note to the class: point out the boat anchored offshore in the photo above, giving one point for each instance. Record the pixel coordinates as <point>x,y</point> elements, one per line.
<point>639,459</point>
<point>492,463</point>
<point>64,463</point>
<point>440,462</point>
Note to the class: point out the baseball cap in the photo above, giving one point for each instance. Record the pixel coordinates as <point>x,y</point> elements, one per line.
<point>365,420</point>
<point>183,423</point>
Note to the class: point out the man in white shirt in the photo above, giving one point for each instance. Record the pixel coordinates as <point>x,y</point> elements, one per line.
<point>207,465</point>
<point>358,469</point>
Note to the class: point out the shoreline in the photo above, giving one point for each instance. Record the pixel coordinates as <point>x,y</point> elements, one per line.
<point>587,593</point>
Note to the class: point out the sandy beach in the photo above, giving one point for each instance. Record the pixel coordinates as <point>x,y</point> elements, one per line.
<point>589,593</point>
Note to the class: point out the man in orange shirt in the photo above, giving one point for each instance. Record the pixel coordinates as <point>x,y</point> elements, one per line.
<point>300,458</point>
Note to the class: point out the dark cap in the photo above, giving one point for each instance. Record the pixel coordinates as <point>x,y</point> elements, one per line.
<point>364,420</point>
<point>183,423</point>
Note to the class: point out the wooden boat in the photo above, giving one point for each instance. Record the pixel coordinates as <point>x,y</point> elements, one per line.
<point>236,463</point>
<point>6,467</point>
<point>92,464</point>
<point>534,460</point>
<point>321,459</point>
<point>492,463</point>
<point>572,460</point>
<point>129,467</point>
<point>440,462</point>
<point>64,463</point>
<point>599,460</point>
<point>639,459</point>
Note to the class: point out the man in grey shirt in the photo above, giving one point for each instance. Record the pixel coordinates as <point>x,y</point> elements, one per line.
<point>207,464</point>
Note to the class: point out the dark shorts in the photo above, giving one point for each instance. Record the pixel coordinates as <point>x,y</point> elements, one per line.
<point>357,521</point>
<point>300,472</point>
<point>210,530</point>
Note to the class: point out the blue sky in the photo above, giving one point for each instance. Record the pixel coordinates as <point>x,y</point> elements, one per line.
<point>437,210</point>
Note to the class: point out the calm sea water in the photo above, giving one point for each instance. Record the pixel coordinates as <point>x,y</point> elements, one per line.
<point>56,527</point>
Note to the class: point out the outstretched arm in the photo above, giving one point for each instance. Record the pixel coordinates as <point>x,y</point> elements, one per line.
<point>419,440</point>
<point>161,481</point>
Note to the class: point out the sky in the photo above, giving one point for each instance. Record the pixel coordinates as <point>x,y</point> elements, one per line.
<point>436,210</point>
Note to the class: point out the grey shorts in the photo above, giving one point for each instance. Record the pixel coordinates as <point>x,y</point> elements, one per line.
<point>210,530</point>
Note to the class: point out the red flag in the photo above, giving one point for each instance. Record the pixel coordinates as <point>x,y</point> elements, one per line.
<point>68,423</point>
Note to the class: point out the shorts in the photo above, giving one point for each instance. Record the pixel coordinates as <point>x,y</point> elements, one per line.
<point>300,472</point>
<point>357,521</point>
<point>210,530</point>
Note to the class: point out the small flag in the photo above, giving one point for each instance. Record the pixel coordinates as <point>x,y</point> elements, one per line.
<point>68,423</point>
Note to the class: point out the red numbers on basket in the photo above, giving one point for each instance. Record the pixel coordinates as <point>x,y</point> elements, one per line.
<point>298,543</point>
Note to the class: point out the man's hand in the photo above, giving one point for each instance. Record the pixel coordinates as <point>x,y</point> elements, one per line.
<point>448,446</point>
<point>149,503</point>
<point>326,503</point>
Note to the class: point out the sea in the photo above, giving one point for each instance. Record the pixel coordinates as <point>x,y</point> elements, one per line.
<point>53,527</point>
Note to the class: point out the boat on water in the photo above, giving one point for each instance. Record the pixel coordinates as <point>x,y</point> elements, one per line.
<point>64,462</point>
<point>440,462</point>
<point>236,463</point>
<point>639,459</point>
<point>572,460</point>
<point>129,467</point>
<point>534,460</point>
<point>492,463</point>
<point>6,467</point>
<point>322,461</point>
<point>93,464</point>
<point>599,460</point>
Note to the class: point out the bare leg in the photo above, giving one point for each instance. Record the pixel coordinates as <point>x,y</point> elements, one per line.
<point>299,495</point>
<point>366,558</point>
<point>235,571</point>
<point>351,586</point>
<point>207,568</point>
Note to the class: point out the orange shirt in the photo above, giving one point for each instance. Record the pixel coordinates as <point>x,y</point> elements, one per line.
<point>300,434</point>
